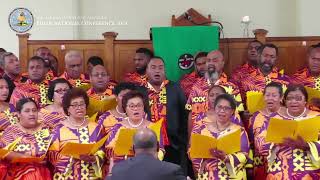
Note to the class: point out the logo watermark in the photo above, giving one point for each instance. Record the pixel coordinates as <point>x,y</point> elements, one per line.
<point>78,21</point>
<point>21,20</point>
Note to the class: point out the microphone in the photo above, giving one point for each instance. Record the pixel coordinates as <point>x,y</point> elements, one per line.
<point>188,17</point>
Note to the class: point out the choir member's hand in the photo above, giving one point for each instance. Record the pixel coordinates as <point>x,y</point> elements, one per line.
<point>88,158</point>
<point>302,144</point>
<point>299,143</point>
<point>288,142</point>
<point>219,154</point>
<point>315,102</point>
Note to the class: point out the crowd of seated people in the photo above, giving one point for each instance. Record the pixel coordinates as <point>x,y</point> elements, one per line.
<point>42,112</point>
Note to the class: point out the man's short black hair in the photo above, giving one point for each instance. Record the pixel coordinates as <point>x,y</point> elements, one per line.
<point>37,58</point>
<point>95,60</point>
<point>260,50</point>
<point>200,54</point>
<point>157,57</point>
<point>145,51</point>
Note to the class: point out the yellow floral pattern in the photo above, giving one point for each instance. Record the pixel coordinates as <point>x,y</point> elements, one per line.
<point>12,119</point>
<point>43,94</point>
<point>84,139</point>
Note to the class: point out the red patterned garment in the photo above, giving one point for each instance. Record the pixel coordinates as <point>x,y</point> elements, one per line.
<point>241,72</point>
<point>108,92</point>
<point>304,77</point>
<point>17,80</point>
<point>34,144</point>
<point>157,102</point>
<point>29,89</point>
<point>135,78</point>
<point>82,81</point>
<point>256,81</point>
<point>187,81</point>
<point>198,100</point>
<point>50,75</point>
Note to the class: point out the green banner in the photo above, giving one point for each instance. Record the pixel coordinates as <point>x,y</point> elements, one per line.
<point>178,45</point>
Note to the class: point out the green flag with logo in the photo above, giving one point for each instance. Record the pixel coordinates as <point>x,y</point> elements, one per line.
<point>178,45</point>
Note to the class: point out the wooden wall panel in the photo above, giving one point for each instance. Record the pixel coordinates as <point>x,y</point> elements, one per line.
<point>236,55</point>
<point>124,54</point>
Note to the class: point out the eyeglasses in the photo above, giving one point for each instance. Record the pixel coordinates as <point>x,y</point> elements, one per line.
<point>296,98</point>
<point>101,74</point>
<point>137,106</point>
<point>61,91</point>
<point>224,108</point>
<point>78,105</point>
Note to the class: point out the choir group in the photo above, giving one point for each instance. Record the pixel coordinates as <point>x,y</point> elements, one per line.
<point>42,112</point>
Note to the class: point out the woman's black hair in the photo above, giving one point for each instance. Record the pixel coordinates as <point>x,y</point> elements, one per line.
<point>53,84</point>
<point>217,86</point>
<point>73,94</point>
<point>295,87</point>
<point>22,102</point>
<point>11,87</point>
<point>275,85</point>
<point>134,94</point>
<point>123,86</point>
<point>228,98</point>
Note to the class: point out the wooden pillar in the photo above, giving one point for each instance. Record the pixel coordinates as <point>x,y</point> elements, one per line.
<point>109,38</point>
<point>260,35</point>
<point>23,50</point>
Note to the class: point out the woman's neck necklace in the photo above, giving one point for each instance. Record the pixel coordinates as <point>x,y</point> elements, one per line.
<point>296,117</point>
<point>76,125</point>
<point>224,128</point>
<point>270,112</point>
<point>121,113</point>
<point>135,125</point>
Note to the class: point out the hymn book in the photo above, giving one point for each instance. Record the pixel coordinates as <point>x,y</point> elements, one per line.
<point>124,143</point>
<point>201,145</point>
<point>76,149</point>
<point>255,101</point>
<point>279,129</point>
